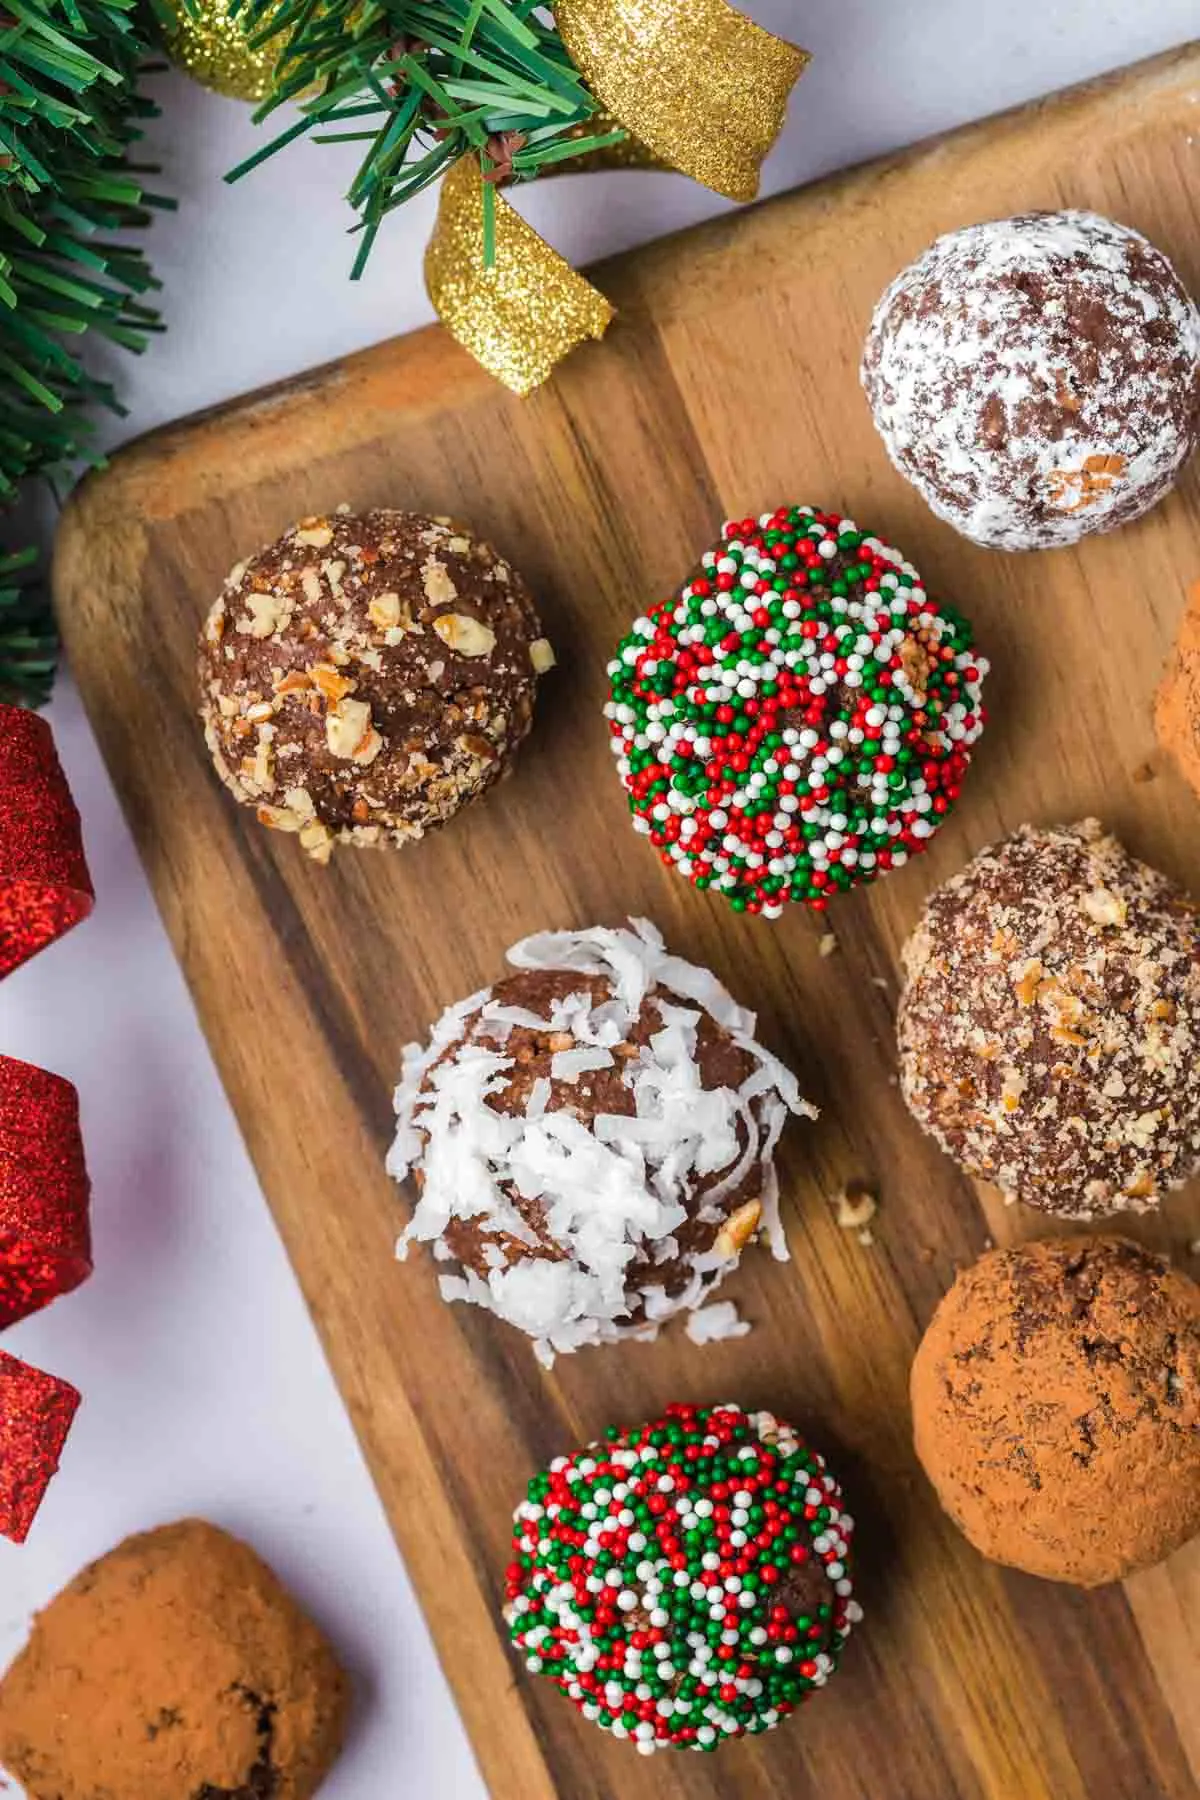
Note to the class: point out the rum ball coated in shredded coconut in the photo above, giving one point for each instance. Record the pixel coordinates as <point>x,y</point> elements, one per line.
<point>367,675</point>
<point>592,1140</point>
<point>1049,1026</point>
<point>1037,378</point>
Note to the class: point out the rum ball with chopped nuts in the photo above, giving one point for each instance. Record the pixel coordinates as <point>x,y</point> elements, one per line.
<point>367,675</point>
<point>1049,1026</point>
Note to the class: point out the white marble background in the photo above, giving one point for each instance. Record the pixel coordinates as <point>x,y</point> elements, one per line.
<point>205,1389</point>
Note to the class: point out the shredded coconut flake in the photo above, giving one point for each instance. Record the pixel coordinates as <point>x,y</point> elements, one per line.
<point>712,1324</point>
<point>569,1065</point>
<point>609,1191</point>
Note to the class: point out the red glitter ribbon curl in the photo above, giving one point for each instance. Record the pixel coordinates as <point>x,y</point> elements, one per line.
<point>45,1244</point>
<point>36,1411</point>
<point>45,887</point>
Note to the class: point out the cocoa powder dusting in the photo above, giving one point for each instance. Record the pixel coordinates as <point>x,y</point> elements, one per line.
<point>1056,1407</point>
<point>175,1668</point>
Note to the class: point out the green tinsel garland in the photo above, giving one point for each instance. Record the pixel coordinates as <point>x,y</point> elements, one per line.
<point>69,115</point>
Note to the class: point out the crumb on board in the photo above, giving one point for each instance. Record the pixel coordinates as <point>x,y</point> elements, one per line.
<point>855,1207</point>
<point>714,1323</point>
<point>1143,773</point>
<point>827,944</point>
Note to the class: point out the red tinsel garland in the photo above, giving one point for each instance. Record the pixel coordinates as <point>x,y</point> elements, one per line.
<point>45,1247</point>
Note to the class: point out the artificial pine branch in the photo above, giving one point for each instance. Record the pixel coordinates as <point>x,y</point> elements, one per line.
<point>421,83</point>
<point>69,116</point>
<point>28,644</point>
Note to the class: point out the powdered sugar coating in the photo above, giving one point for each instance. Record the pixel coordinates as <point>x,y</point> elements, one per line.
<point>1049,1026</point>
<point>593,1163</point>
<point>1037,378</point>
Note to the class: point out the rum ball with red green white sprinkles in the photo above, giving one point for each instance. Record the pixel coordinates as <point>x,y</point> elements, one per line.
<point>686,1581</point>
<point>800,718</point>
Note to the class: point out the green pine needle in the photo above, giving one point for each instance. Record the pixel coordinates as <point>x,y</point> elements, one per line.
<point>70,114</point>
<point>28,644</point>
<point>423,82</point>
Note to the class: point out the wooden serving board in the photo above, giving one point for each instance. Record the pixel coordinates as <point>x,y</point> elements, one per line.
<point>729,384</point>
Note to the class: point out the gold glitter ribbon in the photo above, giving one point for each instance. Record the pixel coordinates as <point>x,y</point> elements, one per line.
<point>700,87</point>
<point>211,44</point>
<point>522,314</point>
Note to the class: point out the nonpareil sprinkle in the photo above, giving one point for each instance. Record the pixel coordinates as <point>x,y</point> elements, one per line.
<point>800,718</point>
<point>684,1581</point>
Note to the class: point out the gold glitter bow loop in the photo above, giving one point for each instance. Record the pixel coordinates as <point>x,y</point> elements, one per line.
<point>701,85</point>
<point>523,312</point>
<point>700,89</point>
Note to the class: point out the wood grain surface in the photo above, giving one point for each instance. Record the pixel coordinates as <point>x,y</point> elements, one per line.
<point>728,384</point>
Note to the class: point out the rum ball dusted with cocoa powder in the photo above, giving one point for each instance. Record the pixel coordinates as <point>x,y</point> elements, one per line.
<point>1056,1408</point>
<point>1037,378</point>
<point>592,1140</point>
<point>177,1667</point>
<point>367,675</point>
<point>1049,1024</point>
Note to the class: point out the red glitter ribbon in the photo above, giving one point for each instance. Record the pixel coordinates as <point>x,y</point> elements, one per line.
<point>45,1247</point>
<point>36,1410</point>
